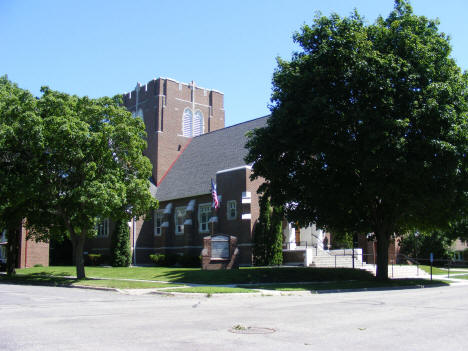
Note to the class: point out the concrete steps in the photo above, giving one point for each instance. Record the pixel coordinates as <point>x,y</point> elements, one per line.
<point>335,258</point>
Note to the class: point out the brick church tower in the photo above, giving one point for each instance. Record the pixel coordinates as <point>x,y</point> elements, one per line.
<point>173,113</point>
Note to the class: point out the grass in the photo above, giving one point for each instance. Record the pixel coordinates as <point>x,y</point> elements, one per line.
<point>123,284</point>
<point>249,275</point>
<point>465,276</point>
<point>435,270</point>
<point>247,279</point>
<point>438,270</point>
<point>345,285</point>
<point>211,290</point>
<point>51,280</point>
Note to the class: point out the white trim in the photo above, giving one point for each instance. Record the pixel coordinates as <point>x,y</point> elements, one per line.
<point>197,103</point>
<point>158,214</point>
<point>179,232</point>
<point>234,169</point>
<point>209,205</point>
<point>246,216</point>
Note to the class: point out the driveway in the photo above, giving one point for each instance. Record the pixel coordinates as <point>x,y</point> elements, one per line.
<point>48,318</point>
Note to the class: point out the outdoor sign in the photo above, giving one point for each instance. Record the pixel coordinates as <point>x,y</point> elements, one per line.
<point>431,257</point>
<point>220,247</point>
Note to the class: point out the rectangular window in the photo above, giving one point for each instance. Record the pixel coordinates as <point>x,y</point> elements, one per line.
<point>2,254</point>
<point>231,209</point>
<point>103,229</point>
<point>179,218</point>
<point>158,217</point>
<point>204,212</point>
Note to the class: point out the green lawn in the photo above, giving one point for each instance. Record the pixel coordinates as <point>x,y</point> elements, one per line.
<point>124,284</point>
<point>282,279</point>
<point>346,285</point>
<point>198,276</point>
<point>51,280</point>
<point>211,290</point>
<point>438,270</point>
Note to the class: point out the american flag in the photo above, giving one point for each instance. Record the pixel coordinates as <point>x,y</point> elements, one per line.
<point>214,194</point>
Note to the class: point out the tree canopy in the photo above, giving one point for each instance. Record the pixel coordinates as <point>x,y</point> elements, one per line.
<point>21,146</point>
<point>68,162</point>
<point>368,129</point>
<point>93,168</point>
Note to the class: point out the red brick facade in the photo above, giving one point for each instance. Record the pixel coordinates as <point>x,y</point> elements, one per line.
<point>31,252</point>
<point>162,102</point>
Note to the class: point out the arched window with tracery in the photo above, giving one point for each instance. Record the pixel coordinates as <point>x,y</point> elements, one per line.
<point>198,123</point>
<point>187,121</point>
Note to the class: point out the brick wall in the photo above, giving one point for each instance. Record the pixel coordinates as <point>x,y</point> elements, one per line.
<point>163,102</point>
<point>32,252</point>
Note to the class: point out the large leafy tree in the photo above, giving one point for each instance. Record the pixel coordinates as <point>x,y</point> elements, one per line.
<point>93,167</point>
<point>368,128</point>
<point>21,146</point>
<point>420,245</point>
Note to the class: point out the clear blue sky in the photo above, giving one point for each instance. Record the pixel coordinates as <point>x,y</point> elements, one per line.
<point>99,48</point>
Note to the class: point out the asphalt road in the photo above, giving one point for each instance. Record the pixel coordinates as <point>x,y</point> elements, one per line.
<point>47,318</point>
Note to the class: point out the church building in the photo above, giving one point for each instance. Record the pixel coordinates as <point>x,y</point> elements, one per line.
<point>188,146</point>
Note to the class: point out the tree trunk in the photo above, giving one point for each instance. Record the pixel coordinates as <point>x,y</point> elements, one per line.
<point>13,244</point>
<point>78,241</point>
<point>383,239</point>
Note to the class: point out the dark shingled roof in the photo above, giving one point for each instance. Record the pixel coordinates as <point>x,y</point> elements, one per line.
<point>204,156</point>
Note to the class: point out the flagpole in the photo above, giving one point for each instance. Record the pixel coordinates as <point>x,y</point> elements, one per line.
<point>214,195</point>
<point>212,221</point>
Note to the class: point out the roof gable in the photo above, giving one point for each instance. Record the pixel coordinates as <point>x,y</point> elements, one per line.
<point>204,156</point>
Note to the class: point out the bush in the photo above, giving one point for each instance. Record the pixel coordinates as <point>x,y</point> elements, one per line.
<point>158,259</point>
<point>419,245</point>
<point>38,265</point>
<point>93,259</point>
<point>121,252</point>
<point>172,259</point>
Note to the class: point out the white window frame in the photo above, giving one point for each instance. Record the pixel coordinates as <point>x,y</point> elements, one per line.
<point>187,125</point>
<point>104,224</point>
<point>229,208</point>
<point>158,215</point>
<point>205,206</point>
<point>179,228</point>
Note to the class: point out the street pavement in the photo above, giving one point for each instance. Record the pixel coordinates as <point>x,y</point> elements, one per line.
<point>50,318</point>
